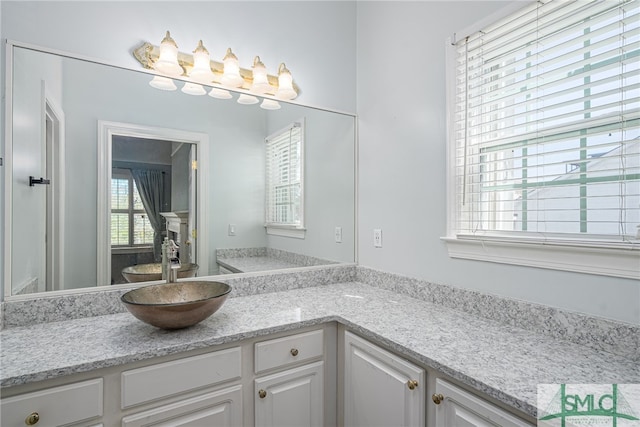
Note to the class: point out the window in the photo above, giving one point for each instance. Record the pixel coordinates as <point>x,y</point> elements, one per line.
<point>545,138</point>
<point>130,225</point>
<point>284,182</point>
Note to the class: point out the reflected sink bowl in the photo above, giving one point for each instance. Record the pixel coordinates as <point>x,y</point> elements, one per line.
<point>176,305</point>
<point>149,272</point>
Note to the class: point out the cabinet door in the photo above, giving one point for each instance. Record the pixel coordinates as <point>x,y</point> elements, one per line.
<point>381,389</point>
<point>292,398</point>
<point>460,408</point>
<point>220,408</point>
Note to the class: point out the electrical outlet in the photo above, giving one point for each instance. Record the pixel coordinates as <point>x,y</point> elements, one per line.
<point>338,234</point>
<point>377,238</point>
<point>232,229</point>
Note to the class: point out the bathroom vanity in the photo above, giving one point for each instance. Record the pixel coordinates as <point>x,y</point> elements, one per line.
<point>332,354</point>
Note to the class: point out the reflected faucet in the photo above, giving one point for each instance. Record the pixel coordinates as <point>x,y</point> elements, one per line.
<point>170,260</point>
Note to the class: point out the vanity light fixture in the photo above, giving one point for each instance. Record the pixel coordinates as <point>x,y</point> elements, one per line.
<point>193,89</point>
<point>220,93</point>
<point>247,99</point>
<point>285,84</point>
<point>260,79</point>
<point>197,69</point>
<point>167,63</point>
<point>231,75</point>
<point>270,104</point>
<point>201,71</point>
<point>163,83</point>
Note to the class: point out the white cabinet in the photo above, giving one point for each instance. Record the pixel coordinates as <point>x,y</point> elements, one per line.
<point>178,376</point>
<point>221,408</point>
<point>381,389</point>
<point>295,396</point>
<point>55,406</point>
<point>456,407</point>
<point>291,398</point>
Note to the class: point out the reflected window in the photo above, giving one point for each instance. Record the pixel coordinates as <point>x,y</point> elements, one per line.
<point>130,225</point>
<point>284,177</point>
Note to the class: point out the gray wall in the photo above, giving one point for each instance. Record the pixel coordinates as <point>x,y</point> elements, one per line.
<point>402,165</point>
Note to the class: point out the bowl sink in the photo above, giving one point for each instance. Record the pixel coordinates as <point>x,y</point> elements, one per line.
<point>176,305</point>
<point>149,272</point>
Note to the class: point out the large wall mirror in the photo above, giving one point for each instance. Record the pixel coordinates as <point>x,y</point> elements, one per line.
<point>101,167</point>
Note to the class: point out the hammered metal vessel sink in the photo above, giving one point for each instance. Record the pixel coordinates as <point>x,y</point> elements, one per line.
<point>149,272</point>
<point>176,305</point>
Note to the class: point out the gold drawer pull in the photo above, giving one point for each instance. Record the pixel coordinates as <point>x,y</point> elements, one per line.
<point>294,352</point>
<point>437,398</point>
<point>262,394</point>
<point>32,419</point>
<point>412,384</point>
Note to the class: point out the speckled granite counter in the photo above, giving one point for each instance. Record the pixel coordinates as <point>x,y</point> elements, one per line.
<point>248,260</point>
<point>253,264</point>
<point>501,361</point>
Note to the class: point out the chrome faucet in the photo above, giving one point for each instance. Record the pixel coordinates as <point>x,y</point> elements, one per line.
<point>170,260</point>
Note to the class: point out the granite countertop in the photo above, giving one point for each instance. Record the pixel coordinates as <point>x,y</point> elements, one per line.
<point>250,264</point>
<point>503,362</point>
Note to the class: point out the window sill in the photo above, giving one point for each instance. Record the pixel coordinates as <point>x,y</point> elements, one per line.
<point>131,250</point>
<point>285,231</point>
<point>581,258</point>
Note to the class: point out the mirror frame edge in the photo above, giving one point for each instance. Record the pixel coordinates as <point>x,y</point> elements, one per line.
<point>8,168</point>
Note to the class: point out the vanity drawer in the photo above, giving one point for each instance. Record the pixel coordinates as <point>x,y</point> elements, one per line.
<point>55,406</point>
<point>285,351</point>
<point>178,376</point>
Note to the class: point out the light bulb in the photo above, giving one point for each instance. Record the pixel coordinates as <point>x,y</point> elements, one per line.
<point>201,71</point>
<point>247,99</point>
<point>220,93</point>
<point>193,89</point>
<point>162,83</point>
<point>167,63</point>
<point>231,76</point>
<point>285,84</point>
<point>260,79</point>
<point>270,104</point>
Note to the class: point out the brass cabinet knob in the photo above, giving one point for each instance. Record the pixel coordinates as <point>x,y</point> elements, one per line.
<point>262,393</point>
<point>437,398</point>
<point>412,384</point>
<point>32,419</point>
<point>294,352</point>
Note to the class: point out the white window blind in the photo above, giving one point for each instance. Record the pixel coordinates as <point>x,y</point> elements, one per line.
<point>284,184</point>
<point>546,122</point>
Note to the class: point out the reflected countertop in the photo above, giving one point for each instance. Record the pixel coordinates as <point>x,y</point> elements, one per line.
<point>501,361</point>
<point>255,264</point>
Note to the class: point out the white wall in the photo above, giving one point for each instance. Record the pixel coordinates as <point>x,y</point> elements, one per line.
<point>402,164</point>
<point>316,39</point>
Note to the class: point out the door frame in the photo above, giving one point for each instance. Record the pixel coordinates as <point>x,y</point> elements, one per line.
<point>55,216</point>
<point>106,131</point>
